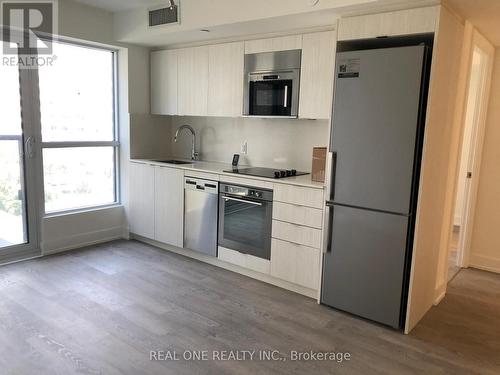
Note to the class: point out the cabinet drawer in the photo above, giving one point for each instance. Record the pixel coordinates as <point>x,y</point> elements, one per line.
<point>297,234</point>
<point>298,195</point>
<point>302,215</point>
<point>244,260</point>
<point>296,264</point>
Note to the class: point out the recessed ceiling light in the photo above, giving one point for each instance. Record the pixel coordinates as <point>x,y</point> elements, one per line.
<point>205,30</point>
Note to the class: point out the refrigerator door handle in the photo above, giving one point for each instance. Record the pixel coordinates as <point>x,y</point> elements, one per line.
<point>327,248</point>
<point>333,174</point>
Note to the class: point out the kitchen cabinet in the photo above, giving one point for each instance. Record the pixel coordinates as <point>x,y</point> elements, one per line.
<point>295,263</point>
<point>156,201</point>
<point>403,22</point>
<point>209,80</point>
<point>169,205</point>
<point>297,234</point>
<point>316,76</point>
<point>193,81</point>
<point>225,79</point>
<point>164,82</point>
<point>302,215</point>
<point>141,196</point>
<point>298,195</point>
<point>274,44</point>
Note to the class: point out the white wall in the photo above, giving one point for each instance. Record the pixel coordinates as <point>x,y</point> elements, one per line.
<point>433,223</point>
<point>150,137</point>
<point>89,24</point>
<point>228,18</point>
<point>274,143</point>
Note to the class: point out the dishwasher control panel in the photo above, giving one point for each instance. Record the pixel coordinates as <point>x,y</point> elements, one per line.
<point>191,183</point>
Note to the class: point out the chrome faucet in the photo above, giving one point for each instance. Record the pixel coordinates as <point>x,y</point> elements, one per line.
<point>194,154</point>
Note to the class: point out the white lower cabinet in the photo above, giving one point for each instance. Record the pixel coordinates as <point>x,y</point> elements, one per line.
<point>157,212</point>
<point>157,203</point>
<point>169,206</point>
<point>142,200</point>
<point>295,263</point>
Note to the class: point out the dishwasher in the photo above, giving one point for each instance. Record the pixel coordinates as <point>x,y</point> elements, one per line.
<point>200,215</point>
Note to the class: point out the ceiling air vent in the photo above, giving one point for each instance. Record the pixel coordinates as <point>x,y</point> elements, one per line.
<point>163,16</point>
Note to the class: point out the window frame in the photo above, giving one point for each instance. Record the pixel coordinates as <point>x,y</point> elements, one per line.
<point>115,143</point>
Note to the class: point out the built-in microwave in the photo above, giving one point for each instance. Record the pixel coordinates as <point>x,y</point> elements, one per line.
<point>272,82</point>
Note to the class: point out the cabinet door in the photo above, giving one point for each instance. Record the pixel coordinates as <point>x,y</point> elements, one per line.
<point>283,43</point>
<point>164,82</point>
<point>225,79</point>
<point>141,200</point>
<point>401,22</point>
<point>317,72</point>
<point>169,205</point>
<point>193,81</point>
<point>296,264</point>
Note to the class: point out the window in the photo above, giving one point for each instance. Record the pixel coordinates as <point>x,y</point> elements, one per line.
<point>78,125</point>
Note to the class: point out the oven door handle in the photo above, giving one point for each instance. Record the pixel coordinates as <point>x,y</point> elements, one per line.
<point>285,104</point>
<point>226,198</point>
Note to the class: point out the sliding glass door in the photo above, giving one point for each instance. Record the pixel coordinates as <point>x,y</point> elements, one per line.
<point>18,158</point>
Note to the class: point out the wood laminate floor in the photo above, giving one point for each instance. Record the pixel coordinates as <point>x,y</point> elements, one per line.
<point>101,310</point>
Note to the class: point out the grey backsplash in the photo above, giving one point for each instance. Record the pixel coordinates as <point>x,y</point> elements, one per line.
<point>273,143</point>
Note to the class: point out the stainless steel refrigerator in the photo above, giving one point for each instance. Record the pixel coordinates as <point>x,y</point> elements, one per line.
<point>377,132</point>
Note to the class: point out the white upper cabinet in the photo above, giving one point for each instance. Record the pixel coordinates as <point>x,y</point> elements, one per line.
<point>225,79</point>
<point>403,22</point>
<point>193,81</point>
<point>164,82</point>
<point>283,43</point>
<point>316,76</point>
<point>209,80</point>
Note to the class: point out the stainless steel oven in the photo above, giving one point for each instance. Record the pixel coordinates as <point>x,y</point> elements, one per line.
<point>272,81</point>
<point>245,219</point>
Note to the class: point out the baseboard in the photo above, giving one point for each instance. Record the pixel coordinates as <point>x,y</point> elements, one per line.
<point>9,258</point>
<point>311,293</point>
<point>81,240</point>
<point>484,262</point>
<point>439,293</point>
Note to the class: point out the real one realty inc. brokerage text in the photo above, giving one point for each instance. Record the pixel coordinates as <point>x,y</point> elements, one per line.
<point>247,355</point>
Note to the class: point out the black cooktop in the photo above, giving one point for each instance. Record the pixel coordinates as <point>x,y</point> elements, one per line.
<point>266,172</point>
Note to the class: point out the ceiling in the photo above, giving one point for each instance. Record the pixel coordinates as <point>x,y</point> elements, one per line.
<point>483,14</point>
<point>119,5</point>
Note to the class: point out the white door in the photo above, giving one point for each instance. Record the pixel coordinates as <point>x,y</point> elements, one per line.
<point>474,121</point>
<point>19,161</point>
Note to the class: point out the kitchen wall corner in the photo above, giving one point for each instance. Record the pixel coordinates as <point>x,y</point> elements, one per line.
<point>150,136</point>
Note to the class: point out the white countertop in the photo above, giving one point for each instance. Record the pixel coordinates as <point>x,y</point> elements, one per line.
<point>219,168</point>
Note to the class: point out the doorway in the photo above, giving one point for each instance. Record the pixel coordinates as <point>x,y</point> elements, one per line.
<point>18,200</point>
<point>473,121</point>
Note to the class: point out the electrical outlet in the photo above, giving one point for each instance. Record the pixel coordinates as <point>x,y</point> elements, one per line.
<point>244,148</point>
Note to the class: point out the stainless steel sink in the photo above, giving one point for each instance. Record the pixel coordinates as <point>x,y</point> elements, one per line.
<point>174,162</point>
